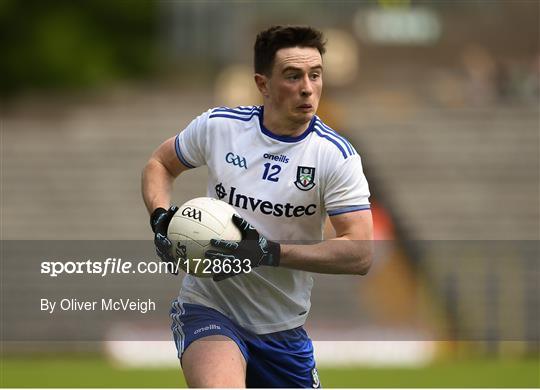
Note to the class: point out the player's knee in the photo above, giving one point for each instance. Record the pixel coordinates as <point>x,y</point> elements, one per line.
<point>220,376</point>
<point>214,380</point>
<point>214,362</point>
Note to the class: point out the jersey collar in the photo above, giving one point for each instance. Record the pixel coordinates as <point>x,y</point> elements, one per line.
<point>285,138</point>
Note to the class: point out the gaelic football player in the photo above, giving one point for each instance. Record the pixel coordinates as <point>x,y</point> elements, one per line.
<point>285,171</point>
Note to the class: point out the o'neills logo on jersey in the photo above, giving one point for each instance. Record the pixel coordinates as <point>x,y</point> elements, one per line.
<point>268,208</point>
<point>281,158</point>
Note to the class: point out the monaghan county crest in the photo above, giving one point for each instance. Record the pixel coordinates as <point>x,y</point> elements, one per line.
<point>304,178</point>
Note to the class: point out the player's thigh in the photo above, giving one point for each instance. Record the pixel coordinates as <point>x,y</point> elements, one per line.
<point>214,361</point>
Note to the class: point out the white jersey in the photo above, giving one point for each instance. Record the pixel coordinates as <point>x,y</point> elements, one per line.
<point>285,187</point>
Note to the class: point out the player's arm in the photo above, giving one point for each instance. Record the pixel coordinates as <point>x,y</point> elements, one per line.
<point>350,252</point>
<point>158,176</point>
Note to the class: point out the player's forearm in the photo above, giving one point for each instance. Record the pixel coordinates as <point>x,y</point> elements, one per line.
<point>157,184</point>
<point>341,255</point>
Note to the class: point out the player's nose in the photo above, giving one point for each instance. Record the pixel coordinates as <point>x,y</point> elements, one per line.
<point>306,89</point>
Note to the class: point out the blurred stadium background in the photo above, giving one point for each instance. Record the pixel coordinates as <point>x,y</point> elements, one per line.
<point>439,97</point>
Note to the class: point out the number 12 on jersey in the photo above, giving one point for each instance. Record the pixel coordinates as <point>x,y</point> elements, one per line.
<point>271,171</point>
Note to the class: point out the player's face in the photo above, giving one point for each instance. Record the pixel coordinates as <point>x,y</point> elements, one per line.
<point>295,85</point>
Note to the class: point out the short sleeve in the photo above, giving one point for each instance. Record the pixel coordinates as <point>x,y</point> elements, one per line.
<point>347,188</point>
<point>190,144</point>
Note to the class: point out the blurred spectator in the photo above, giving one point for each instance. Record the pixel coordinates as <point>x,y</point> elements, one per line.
<point>481,73</point>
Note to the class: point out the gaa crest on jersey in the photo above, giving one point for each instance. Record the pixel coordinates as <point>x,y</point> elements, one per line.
<point>236,160</point>
<point>304,178</point>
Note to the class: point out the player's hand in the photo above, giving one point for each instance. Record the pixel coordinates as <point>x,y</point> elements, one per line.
<point>159,221</point>
<point>253,246</point>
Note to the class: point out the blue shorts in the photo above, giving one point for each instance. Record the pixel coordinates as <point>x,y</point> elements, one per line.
<point>281,359</point>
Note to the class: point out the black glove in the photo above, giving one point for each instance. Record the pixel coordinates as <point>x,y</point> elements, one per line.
<point>159,221</point>
<point>253,246</point>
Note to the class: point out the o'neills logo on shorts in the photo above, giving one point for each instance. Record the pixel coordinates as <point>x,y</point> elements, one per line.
<point>207,328</point>
<point>245,202</point>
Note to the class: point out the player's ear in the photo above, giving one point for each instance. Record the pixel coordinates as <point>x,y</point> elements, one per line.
<point>262,83</point>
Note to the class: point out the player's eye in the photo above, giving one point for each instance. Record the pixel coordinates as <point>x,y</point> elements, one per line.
<point>315,76</point>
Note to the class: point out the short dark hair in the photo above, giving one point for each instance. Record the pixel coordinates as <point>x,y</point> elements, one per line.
<point>269,41</point>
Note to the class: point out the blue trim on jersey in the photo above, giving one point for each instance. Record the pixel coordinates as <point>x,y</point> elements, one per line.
<point>179,152</point>
<point>349,209</point>
<point>331,131</point>
<point>318,131</point>
<point>241,110</point>
<point>244,119</point>
<point>345,141</point>
<point>283,138</point>
<point>246,108</point>
<point>244,114</point>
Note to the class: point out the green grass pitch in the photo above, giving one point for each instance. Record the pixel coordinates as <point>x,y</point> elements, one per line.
<point>97,372</point>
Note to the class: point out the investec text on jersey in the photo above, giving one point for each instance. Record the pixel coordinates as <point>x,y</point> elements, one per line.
<point>265,207</point>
